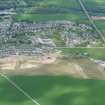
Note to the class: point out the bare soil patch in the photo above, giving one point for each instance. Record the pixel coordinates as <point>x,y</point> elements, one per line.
<point>24,65</point>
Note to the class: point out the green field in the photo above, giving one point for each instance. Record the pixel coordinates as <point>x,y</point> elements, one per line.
<point>45,10</point>
<point>46,17</point>
<point>97,53</point>
<point>53,90</point>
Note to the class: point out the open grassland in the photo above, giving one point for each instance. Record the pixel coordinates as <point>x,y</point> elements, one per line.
<point>52,90</point>
<point>96,53</point>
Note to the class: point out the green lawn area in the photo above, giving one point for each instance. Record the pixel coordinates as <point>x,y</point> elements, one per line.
<point>97,53</point>
<point>53,90</point>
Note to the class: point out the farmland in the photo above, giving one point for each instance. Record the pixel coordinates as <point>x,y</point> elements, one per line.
<point>48,10</point>
<point>53,90</point>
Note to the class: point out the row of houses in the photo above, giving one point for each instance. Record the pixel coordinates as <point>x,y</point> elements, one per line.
<point>33,27</point>
<point>73,33</point>
<point>25,51</point>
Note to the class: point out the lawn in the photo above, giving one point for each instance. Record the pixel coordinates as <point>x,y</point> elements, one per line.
<point>53,90</point>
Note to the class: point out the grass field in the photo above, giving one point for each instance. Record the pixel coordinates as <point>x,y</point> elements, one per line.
<point>53,90</point>
<point>97,53</point>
